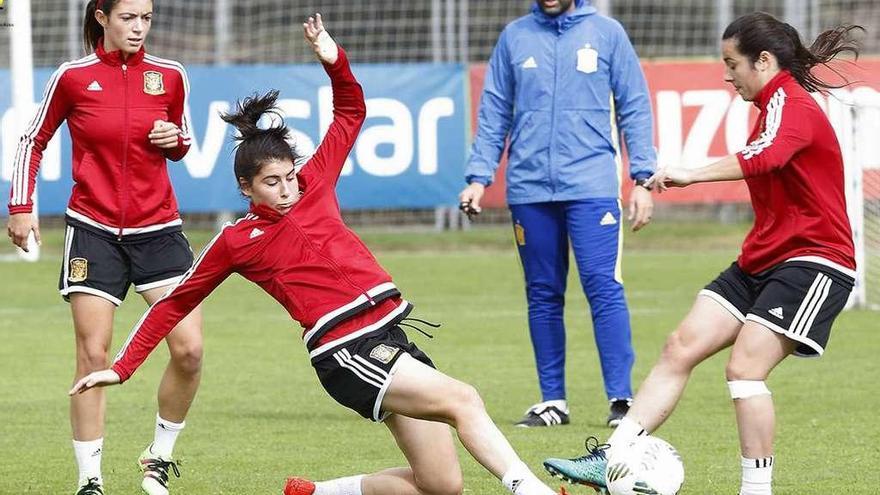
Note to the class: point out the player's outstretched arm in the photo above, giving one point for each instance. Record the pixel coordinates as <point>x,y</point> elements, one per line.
<point>322,43</point>
<point>95,379</point>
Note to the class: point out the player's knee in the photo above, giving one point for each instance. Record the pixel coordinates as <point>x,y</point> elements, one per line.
<point>741,369</point>
<point>91,357</point>
<point>678,352</point>
<point>449,482</point>
<point>464,402</point>
<point>187,357</point>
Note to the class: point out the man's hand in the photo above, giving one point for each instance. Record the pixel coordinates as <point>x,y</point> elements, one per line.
<point>19,228</point>
<point>165,135</point>
<point>325,48</point>
<point>96,379</point>
<point>641,207</point>
<point>469,199</point>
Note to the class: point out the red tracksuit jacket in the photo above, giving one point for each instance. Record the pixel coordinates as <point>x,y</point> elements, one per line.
<point>120,179</point>
<point>307,259</point>
<point>794,171</point>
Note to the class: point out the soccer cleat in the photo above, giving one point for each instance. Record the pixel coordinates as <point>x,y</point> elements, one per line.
<point>543,415</point>
<point>586,470</point>
<point>91,487</point>
<point>155,469</point>
<point>299,486</point>
<point>618,409</point>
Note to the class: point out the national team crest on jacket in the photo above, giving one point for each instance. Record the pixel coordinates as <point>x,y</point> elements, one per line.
<point>153,83</point>
<point>79,270</point>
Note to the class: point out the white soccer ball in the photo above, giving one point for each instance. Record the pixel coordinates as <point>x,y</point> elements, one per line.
<point>648,465</point>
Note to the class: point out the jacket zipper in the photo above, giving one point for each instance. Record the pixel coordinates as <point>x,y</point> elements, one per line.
<point>550,151</point>
<point>332,263</point>
<point>123,201</point>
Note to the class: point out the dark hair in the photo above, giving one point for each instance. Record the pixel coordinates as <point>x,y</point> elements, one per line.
<point>760,31</point>
<point>92,29</point>
<point>257,146</point>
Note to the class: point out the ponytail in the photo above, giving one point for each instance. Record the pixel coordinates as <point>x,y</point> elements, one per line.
<point>92,29</point>
<point>759,31</point>
<point>256,146</point>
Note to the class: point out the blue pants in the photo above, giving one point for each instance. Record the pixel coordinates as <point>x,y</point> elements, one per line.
<point>542,232</point>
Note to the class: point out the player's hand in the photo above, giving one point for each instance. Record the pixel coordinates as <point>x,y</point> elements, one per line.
<point>667,177</point>
<point>165,135</point>
<point>325,48</point>
<point>469,199</point>
<point>96,379</point>
<point>641,207</point>
<point>19,228</point>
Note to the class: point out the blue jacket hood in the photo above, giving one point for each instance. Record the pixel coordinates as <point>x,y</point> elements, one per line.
<point>563,21</point>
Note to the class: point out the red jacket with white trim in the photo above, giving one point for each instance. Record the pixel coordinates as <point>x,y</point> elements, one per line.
<point>307,259</point>
<point>120,179</point>
<point>794,171</point>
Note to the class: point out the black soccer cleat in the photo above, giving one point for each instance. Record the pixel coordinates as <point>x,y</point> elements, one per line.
<point>617,411</point>
<point>543,415</point>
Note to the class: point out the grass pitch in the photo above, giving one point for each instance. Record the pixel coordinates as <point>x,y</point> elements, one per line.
<point>261,414</point>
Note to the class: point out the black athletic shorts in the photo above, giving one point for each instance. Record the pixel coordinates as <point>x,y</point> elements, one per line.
<point>357,374</point>
<point>97,262</point>
<point>798,299</point>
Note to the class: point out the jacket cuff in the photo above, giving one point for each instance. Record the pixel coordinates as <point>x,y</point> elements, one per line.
<point>15,210</point>
<point>123,377</point>
<point>470,179</point>
<point>641,175</point>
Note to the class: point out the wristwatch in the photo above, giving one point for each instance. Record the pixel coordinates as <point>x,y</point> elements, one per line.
<point>642,182</point>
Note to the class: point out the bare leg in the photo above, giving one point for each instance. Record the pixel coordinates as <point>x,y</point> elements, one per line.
<point>706,329</point>
<point>433,463</point>
<point>756,352</point>
<point>183,373</point>
<point>93,324</point>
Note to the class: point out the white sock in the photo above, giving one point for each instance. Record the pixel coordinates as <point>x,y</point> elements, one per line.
<point>165,436</point>
<point>757,476</point>
<point>519,480</point>
<point>350,485</point>
<point>560,404</point>
<point>626,431</point>
<point>88,459</point>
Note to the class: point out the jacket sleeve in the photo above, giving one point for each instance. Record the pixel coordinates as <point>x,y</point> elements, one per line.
<point>179,115</point>
<point>632,105</point>
<point>495,116</point>
<point>349,113</point>
<point>786,131</point>
<point>210,269</point>
<point>53,110</point>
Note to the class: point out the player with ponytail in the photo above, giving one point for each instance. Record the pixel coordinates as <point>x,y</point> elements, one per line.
<point>797,264</point>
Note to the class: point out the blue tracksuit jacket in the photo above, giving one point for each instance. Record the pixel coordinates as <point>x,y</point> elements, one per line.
<point>552,87</point>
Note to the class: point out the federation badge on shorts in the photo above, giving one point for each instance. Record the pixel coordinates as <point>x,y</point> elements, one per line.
<point>520,233</point>
<point>79,270</point>
<point>384,353</point>
<point>153,83</point>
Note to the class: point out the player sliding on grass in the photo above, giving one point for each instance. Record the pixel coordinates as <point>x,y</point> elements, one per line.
<point>295,246</point>
<point>797,264</point>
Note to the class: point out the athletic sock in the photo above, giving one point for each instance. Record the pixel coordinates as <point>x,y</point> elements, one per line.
<point>88,459</point>
<point>165,436</point>
<point>519,480</point>
<point>350,485</point>
<point>757,476</point>
<point>626,431</point>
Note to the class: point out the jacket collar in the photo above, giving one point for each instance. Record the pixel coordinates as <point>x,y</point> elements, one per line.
<point>265,212</point>
<point>565,20</point>
<point>114,58</point>
<point>772,85</point>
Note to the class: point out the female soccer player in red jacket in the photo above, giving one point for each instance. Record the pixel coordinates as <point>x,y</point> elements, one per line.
<point>295,246</point>
<point>126,113</point>
<point>797,264</point>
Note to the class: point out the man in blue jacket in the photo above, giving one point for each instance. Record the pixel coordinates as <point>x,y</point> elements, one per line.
<point>559,83</point>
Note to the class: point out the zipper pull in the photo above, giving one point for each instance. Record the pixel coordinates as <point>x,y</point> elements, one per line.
<point>124,69</point>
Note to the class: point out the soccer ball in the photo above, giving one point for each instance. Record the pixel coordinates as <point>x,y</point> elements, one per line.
<point>648,465</point>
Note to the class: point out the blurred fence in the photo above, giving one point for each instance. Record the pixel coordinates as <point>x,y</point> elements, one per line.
<point>268,31</point>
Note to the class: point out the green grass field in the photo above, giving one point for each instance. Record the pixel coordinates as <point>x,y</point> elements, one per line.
<point>261,415</point>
